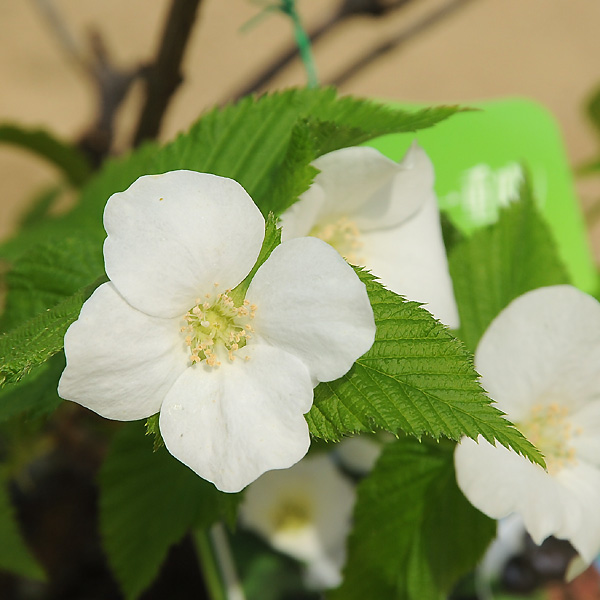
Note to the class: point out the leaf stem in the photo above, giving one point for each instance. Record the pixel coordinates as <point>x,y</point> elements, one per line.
<point>217,565</point>
<point>288,7</point>
<point>208,566</point>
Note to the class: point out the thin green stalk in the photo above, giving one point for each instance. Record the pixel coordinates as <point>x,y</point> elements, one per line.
<point>217,565</point>
<point>304,47</point>
<point>209,566</point>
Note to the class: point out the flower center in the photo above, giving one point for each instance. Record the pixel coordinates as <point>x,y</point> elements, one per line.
<point>344,235</point>
<point>549,429</point>
<point>215,327</point>
<point>292,514</point>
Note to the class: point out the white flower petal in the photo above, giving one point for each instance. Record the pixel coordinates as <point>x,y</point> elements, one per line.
<point>410,260</point>
<point>352,178</point>
<point>232,423</point>
<point>585,433</point>
<point>172,236</point>
<point>314,490</point>
<point>582,485</point>
<point>409,190</point>
<point>312,304</point>
<point>543,348</point>
<point>498,482</point>
<point>120,362</point>
<point>301,217</point>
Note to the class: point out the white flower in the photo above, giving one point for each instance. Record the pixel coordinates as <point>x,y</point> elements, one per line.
<point>232,383</point>
<point>382,215</point>
<point>304,512</point>
<point>540,361</point>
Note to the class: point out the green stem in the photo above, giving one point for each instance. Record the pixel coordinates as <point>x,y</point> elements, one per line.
<point>217,565</point>
<point>304,47</point>
<point>209,566</point>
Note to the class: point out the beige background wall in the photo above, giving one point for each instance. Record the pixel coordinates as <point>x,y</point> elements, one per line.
<point>547,50</point>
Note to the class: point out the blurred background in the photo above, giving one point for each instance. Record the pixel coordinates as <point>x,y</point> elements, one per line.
<point>433,51</point>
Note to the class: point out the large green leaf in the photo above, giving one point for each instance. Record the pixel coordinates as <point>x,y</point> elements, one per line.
<point>36,395</point>
<point>266,144</point>
<point>46,274</point>
<point>35,341</point>
<point>148,501</point>
<point>66,157</point>
<point>249,142</point>
<point>416,378</point>
<point>14,554</point>
<point>499,263</point>
<point>415,534</point>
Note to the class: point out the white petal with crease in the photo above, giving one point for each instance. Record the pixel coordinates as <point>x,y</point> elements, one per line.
<point>120,362</point>
<point>411,260</point>
<point>543,348</point>
<point>232,423</point>
<point>172,236</point>
<point>310,302</point>
<point>499,482</point>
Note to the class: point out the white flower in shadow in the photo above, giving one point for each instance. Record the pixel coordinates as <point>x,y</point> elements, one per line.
<point>304,512</point>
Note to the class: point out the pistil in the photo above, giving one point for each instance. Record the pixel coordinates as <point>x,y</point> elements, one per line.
<point>215,327</point>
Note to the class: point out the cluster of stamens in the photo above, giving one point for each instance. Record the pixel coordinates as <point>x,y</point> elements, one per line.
<point>216,327</point>
<point>291,514</point>
<point>344,235</point>
<point>549,429</point>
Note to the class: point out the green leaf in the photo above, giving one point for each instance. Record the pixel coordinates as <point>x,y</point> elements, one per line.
<point>15,557</point>
<point>499,263</point>
<point>416,378</point>
<point>35,395</point>
<point>250,142</point>
<point>66,157</point>
<point>38,339</point>
<point>148,501</point>
<point>254,142</point>
<point>46,274</point>
<point>415,533</point>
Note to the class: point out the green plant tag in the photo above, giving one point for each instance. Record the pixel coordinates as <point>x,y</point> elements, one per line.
<point>479,157</point>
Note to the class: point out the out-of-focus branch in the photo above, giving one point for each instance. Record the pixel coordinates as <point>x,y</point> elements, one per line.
<point>111,82</point>
<point>402,38</point>
<point>62,33</point>
<point>164,75</point>
<point>349,8</point>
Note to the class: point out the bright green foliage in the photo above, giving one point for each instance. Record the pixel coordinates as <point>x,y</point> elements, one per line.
<point>148,501</point>
<point>35,395</point>
<point>15,557</point>
<point>46,274</point>
<point>415,534</point>
<point>38,339</point>
<point>255,142</point>
<point>416,378</point>
<point>499,263</point>
<point>67,158</point>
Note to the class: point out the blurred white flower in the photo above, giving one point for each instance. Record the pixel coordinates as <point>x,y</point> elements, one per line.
<point>540,361</point>
<point>304,512</point>
<point>383,215</point>
<point>231,382</point>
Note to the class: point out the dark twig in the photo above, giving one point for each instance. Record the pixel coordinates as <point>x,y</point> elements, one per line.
<point>164,76</point>
<point>112,84</point>
<point>349,8</point>
<point>402,38</point>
